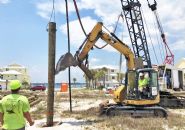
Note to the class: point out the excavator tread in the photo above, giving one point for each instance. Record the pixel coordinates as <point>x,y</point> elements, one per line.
<point>135,111</point>
<point>172,101</point>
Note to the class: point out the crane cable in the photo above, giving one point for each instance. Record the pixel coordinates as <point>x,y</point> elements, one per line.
<point>52,14</point>
<point>121,15</point>
<point>149,36</point>
<point>79,19</point>
<point>161,46</point>
<point>69,70</point>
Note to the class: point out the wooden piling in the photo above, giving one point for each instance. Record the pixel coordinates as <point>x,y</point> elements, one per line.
<point>51,72</point>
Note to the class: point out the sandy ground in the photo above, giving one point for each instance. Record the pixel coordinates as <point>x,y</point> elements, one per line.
<point>83,101</point>
<point>67,123</point>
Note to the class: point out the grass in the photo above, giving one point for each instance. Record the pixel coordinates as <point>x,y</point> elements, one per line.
<point>91,116</point>
<point>175,122</point>
<point>40,112</point>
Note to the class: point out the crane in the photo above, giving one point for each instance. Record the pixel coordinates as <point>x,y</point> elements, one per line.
<point>132,12</point>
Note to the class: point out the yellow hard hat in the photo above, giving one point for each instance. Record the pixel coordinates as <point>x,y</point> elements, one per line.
<point>15,84</point>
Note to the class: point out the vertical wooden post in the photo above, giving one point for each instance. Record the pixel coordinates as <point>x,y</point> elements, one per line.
<point>6,84</point>
<point>51,73</point>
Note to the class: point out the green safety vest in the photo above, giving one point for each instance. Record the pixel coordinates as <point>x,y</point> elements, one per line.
<point>143,83</point>
<point>13,106</point>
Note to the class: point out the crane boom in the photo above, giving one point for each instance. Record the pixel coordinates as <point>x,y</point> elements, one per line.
<point>169,59</point>
<point>133,16</point>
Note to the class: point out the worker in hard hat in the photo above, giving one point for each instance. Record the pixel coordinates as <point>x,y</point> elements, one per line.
<point>14,108</point>
<point>143,82</point>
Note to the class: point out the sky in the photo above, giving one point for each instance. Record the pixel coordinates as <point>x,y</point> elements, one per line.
<point>24,36</point>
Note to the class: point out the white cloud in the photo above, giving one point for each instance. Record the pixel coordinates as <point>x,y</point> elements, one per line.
<point>178,46</point>
<point>4,1</point>
<point>94,60</point>
<point>76,34</point>
<point>171,14</point>
<point>45,8</point>
<point>108,11</point>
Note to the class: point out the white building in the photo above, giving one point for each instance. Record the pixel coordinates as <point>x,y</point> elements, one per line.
<point>111,77</point>
<point>14,71</point>
<point>181,65</point>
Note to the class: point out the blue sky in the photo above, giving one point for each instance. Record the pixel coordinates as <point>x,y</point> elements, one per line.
<point>24,39</point>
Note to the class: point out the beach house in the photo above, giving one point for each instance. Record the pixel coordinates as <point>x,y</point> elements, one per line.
<point>110,78</point>
<point>14,71</point>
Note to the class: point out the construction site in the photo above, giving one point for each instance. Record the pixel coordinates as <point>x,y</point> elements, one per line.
<point>149,94</point>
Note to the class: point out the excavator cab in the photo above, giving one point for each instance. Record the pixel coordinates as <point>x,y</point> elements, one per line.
<point>139,91</point>
<point>131,99</point>
<point>149,84</point>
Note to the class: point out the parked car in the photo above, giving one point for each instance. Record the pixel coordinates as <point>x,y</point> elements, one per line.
<point>38,87</point>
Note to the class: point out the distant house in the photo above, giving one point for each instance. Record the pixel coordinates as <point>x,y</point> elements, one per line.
<point>181,65</point>
<point>14,71</point>
<point>111,77</point>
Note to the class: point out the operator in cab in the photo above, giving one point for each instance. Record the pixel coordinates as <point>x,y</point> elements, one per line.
<point>143,82</point>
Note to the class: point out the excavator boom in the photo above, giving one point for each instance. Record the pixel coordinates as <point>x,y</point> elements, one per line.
<point>68,60</point>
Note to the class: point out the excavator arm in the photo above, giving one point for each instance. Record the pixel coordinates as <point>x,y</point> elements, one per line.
<point>111,39</point>
<point>96,33</point>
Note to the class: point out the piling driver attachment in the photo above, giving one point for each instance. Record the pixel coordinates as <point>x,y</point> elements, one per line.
<point>68,60</point>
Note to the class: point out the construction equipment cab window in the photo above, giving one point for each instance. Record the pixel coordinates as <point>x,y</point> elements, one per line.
<point>147,84</point>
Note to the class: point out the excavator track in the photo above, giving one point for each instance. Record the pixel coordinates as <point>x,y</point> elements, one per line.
<point>170,100</point>
<point>135,111</point>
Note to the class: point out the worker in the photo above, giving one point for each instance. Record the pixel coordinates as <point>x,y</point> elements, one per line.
<point>168,81</point>
<point>14,108</point>
<point>143,82</point>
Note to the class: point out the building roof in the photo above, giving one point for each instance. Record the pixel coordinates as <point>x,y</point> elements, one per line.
<point>181,63</point>
<point>14,66</point>
<point>10,72</point>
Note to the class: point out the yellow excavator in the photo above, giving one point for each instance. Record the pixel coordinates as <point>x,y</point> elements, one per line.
<point>128,98</point>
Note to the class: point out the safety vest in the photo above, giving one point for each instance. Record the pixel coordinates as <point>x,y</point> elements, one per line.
<point>143,83</point>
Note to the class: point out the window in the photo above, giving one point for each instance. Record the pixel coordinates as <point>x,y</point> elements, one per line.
<point>113,77</point>
<point>112,70</point>
<point>154,80</point>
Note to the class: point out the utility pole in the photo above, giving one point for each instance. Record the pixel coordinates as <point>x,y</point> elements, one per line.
<point>51,72</point>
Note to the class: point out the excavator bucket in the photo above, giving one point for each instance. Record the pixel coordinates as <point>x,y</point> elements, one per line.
<point>65,61</point>
<point>68,60</point>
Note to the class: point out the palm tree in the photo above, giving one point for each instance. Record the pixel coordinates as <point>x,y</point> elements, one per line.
<point>87,81</point>
<point>104,69</point>
<point>74,81</point>
<point>120,77</point>
<point>94,80</point>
